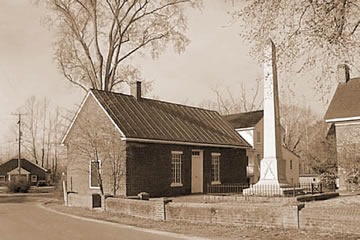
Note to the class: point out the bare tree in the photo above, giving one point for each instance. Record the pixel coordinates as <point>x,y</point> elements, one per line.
<point>296,121</point>
<point>227,103</point>
<point>310,35</point>
<point>43,126</point>
<point>349,160</point>
<point>31,128</point>
<point>100,145</point>
<point>320,154</point>
<point>96,39</point>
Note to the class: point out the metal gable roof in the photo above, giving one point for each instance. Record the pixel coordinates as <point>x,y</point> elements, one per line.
<point>345,102</point>
<point>163,121</point>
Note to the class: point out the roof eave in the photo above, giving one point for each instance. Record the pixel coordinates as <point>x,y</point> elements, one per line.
<point>79,110</point>
<point>144,140</point>
<point>342,119</point>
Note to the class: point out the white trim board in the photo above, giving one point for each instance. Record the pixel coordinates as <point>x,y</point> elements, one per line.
<point>342,119</point>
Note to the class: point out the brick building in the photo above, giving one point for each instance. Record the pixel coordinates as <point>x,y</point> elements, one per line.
<point>144,145</point>
<point>250,125</point>
<point>343,115</point>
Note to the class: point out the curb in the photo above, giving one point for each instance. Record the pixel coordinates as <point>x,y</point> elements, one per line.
<point>25,194</point>
<point>145,230</point>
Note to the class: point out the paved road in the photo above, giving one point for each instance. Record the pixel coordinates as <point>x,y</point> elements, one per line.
<point>23,218</point>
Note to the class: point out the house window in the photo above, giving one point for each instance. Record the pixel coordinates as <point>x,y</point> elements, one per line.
<point>215,168</point>
<point>176,166</point>
<point>195,153</point>
<point>291,164</point>
<point>2,178</point>
<point>258,137</point>
<point>95,170</point>
<point>33,178</point>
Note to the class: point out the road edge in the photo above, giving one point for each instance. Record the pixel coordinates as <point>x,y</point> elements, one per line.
<point>145,230</point>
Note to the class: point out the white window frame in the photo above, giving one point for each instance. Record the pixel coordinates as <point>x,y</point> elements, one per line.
<point>215,161</point>
<point>178,169</point>
<point>100,170</point>
<point>2,178</point>
<point>35,177</point>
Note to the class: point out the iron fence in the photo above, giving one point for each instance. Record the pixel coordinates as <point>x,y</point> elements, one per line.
<point>272,190</point>
<point>227,188</point>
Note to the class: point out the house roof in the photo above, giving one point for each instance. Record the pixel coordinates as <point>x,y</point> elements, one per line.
<point>11,164</point>
<point>345,102</point>
<point>159,121</point>
<point>245,119</point>
<point>16,171</point>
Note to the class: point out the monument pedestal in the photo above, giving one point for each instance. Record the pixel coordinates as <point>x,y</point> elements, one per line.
<point>267,188</point>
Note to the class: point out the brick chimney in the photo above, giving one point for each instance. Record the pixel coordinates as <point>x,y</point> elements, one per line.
<point>135,89</point>
<point>343,73</point>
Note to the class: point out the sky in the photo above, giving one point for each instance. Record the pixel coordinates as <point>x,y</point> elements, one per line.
<point>216,58</point>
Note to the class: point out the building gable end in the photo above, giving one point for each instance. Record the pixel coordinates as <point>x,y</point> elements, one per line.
<point>79,110</point>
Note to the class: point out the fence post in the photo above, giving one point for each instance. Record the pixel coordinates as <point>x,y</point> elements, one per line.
<point>64,189</point>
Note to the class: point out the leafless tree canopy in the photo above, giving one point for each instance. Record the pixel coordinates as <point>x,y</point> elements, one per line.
<point>226,102</point>
<point>309,34</point>
<point>100,143</point>
<point>96,39</point>
<point>296,122</point>
<point>42,126</point>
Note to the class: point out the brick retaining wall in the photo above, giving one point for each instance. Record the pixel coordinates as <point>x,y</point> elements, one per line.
<point>344,219</point>
<point>234,214</point>
<point>152,209</point>
<point>263,214</point>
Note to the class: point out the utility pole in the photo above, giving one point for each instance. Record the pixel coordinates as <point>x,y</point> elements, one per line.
<point>19,141</point>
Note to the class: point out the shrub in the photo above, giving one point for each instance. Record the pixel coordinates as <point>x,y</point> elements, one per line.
<point>328,180</point>
<point>21,185</point>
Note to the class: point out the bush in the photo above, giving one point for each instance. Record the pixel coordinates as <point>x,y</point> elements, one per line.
<point>328,180</point>
<point>17,186</point>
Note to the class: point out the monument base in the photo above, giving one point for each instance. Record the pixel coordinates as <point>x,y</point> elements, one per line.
<point>271,189</point>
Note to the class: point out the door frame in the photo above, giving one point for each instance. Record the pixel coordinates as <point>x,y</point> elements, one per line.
<point>200,173</point>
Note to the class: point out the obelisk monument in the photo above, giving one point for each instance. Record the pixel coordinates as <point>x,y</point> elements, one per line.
<point>272,166</point>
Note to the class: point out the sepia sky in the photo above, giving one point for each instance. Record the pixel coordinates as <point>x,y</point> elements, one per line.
<point>217,58</point>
